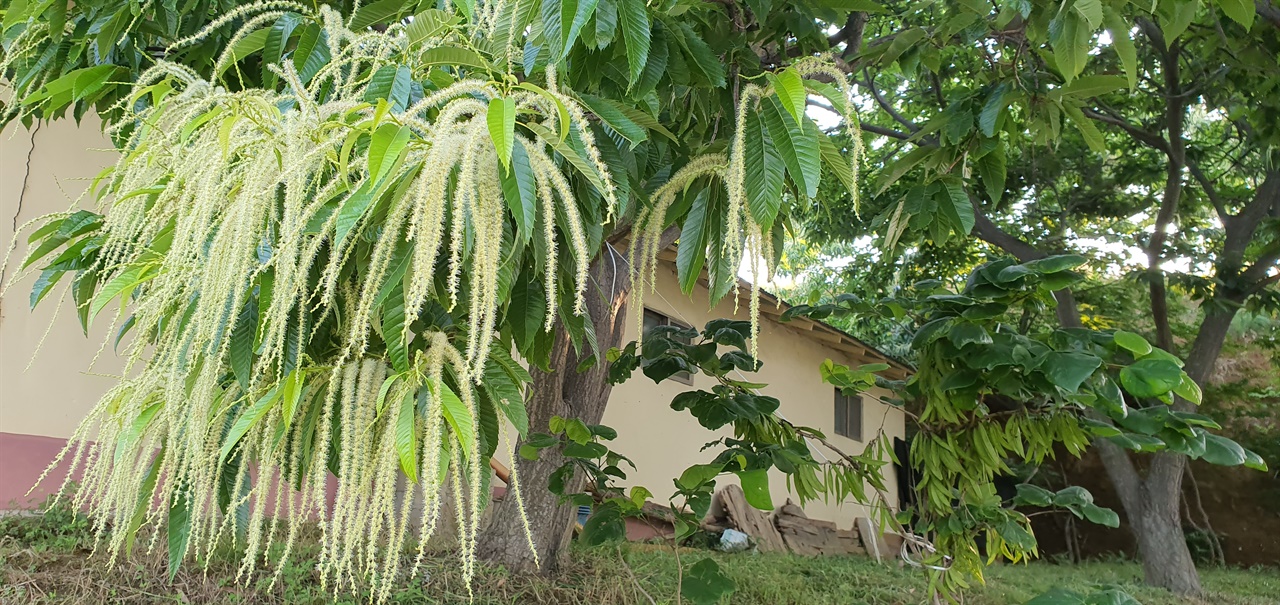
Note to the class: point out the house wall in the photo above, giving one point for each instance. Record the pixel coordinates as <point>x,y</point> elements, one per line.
<point>663,442</point>
<point>40,406</point>
<point>44,395</point>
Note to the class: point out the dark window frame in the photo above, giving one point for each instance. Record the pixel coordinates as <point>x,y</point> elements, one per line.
<point>848,415</point>
<point>666,320</point>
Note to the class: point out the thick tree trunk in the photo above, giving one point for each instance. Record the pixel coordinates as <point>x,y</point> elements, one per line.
<point>567,393</point>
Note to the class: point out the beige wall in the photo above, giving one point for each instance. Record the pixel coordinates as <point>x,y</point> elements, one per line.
<point>50,397</point>
<point>663,442</point>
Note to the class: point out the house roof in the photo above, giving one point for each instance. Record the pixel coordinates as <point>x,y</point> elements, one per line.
<point>773,307</point>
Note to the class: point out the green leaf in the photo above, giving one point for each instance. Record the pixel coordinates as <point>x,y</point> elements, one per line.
<point>122,283</point>
<point>502,127</point>
<point>1123,43</point>
<point>691,253</point>
<point>838,164</point>
<point>765,172</point>
<point>708,64</point>
<point>798,148</point>
<point>697,475</point>
<point>1101,515</point>
<point>1033,495</point>
<point>453,56</point>
<point>1223,451</point>
<point>393,328</point>
<point>518,188</point>
<point>755,485</point>
<point>901,166</point>
<point>1132,342</point>
<point>1092,137</point>
<point>1091,11</point>
<point>606,23</point>
<point>634,18</point>
<point>789,88</point>
<point>311,53</point>
<point>996,102</point>
<point>406,440</point>
<point>246,420</point>
<point>1067,370</point>
<point>526,311</point>
<point>457,414</point>
<point>604,526</point>
<point>1090,86</point>
<point>992,168</point>
<point>1151,377</point>
<point>562,21</point>
<point>385,147</point>
<point>704,583</point>
<point>378,12</point>
<point>615,119</point>
<point>965,333</point>
<point>1055,263</point>
<point>1253,461</point>
<point>429,24</point>
<point>1189,390</point>
<point>1240,11</point>
<point>959,209</point>
<point>179,530</point>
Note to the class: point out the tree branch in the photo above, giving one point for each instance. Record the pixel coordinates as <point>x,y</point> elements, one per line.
<point>1147,138</point>
<point>884,104</point>
<point>1210,191</point>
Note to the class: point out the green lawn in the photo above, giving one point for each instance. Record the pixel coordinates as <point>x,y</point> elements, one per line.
<point>48,560</point>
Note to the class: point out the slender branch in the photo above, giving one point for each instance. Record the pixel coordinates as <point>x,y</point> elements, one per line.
<point>884,104</point>
<point>1210,191</point>
<point>1142,136</point>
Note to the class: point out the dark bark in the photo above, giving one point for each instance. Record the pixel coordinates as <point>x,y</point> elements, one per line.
<point>567,393</point>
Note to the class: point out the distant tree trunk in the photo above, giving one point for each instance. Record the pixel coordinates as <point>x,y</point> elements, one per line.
<point>567,393</point>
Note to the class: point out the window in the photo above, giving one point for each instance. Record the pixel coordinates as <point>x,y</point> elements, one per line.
<point>653,319</point>
<point>849,415</point>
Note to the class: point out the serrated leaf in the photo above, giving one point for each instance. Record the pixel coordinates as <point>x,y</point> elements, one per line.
<point>789,88</point>
<point>993,170</point>
<point>501,119</point>
<point>406,440</point>
<point>996,102</point>
<point>1092,137</point>
<point>1090,11</point>
<point>178,530</point>
<point>615,119</point>
<point>799,149</point>
<point>518,188</point>
<point>707,63</point>
<point>765,173</point>
<point>691,254</point>
<point>453,56</point>
<point>633,16</point>
<point>378,12</point>
<point>457,414</point>
<point>246,420</point>
<point>1122,41</point>
<point>1240,11</point>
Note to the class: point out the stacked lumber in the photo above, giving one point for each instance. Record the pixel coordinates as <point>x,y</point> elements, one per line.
<point>812,537</point>
<point>790,530</point>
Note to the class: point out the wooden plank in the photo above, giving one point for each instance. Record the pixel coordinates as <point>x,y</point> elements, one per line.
<point>729,507</point>
<point>812,537</point>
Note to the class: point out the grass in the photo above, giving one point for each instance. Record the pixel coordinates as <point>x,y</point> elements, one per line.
<point>47,559</point>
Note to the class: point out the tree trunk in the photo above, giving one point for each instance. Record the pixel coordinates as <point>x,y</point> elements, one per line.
<point>567,393</point>
<point>1166,561</point>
